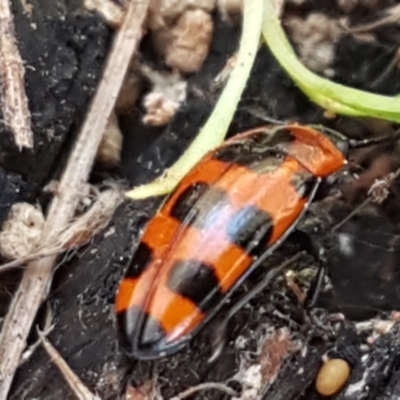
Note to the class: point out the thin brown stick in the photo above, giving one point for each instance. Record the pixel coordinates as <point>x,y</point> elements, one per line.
<point>14,103</point>
<point>38,274</point>
<point>73,380</point>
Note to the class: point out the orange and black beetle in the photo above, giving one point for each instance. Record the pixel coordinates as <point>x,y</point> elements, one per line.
<point>235,207</point>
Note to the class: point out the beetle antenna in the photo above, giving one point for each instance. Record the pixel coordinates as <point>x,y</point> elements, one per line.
<point>358,144</point>
<point>259,113</point>
<point>331,132</point>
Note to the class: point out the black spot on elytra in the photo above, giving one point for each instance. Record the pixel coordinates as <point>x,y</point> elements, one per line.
<point>249,154</point>
<point>186,201</point>
<point>251,229</point>
<point>128,322</point>
<point>259,146</point>
<point>151,334</point>
<point>200,205</point>
<point>195,281</point>
<point>280,137</point>
<point>140,260</point>
<point>139,333</point>
<point>305,183</point>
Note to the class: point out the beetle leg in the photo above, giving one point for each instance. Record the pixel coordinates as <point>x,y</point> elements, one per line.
<point>358,144</point>
<point>316,286</point>
<point>219,333</point>
<point>307,243</point>
<point>314,248</point>
<point>259,113</point>
<point>218,340</point>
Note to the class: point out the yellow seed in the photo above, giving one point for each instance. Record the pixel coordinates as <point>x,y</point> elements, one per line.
<point>332,377</point>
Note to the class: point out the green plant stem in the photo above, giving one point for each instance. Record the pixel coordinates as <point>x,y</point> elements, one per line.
<point>336,98</point>
<point>213,132</point>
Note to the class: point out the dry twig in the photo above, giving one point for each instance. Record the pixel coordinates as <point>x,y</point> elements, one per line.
<point>14,103</point>
<point>38,274</point>
<point>47,329</point>
<point>205,386</point>
<point>77,233</point>
<point>77,386</point>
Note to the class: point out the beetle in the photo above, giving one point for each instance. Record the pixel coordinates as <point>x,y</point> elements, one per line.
<point>234,208</point>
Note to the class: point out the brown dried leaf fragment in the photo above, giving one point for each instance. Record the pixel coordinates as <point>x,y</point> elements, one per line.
<point>147,391</point>
<point>274,350</point>
<point>295,288</point>
<point>14,103</point>
<point>256,378</point>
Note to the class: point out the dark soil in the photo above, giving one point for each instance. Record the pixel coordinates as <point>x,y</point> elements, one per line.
<point>64,52</point>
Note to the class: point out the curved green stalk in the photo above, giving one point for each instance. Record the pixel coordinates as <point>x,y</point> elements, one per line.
<point>213,132</point>
<point>332,96</point>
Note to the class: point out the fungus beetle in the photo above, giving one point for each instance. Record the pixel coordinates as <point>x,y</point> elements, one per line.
<point>235,207</point>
